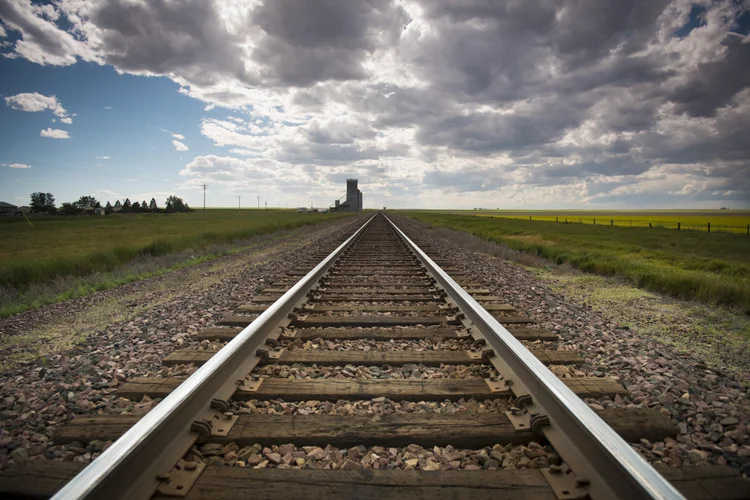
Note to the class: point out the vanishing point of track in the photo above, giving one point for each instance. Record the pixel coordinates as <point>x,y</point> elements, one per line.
<point>377,285</point>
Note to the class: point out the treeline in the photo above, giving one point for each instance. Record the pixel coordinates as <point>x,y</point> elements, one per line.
<point>45,203</point>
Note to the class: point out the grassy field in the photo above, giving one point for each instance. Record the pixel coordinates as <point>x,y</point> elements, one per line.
<point>712,268</point>
<point>733,221</point>
<point>61,246</point>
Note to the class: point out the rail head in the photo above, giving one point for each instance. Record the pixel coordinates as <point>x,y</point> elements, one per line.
<point>129,469</point>
<point>590,446</point>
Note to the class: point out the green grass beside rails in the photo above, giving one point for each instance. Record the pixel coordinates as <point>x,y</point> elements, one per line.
<point>77,246</point>
<point>712,268</point>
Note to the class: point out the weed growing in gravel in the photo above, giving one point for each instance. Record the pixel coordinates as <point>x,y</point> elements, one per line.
<point>716,335</point>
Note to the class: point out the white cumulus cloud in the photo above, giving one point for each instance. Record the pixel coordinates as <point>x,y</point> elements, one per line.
<point>54,133</point>
<point>16,165</point>
<point>179,146</point>
<point>179,137</point>
<point>34,102</point>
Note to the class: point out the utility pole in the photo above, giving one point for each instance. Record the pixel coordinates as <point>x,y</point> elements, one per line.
<point>204,186</point>
<point>239,200</point>
<point>258,202</point>
<point>266,206</point>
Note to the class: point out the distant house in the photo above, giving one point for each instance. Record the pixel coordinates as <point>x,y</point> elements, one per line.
<point>99,211</point>
<point>24,210</point>
<point>6,209</point>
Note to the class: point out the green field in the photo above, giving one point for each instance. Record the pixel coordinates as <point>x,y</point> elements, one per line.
<point>732,221</point>
<point>47,248</point>
<point>712,268</point>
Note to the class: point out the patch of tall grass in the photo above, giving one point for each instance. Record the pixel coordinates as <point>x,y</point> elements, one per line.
<point>710,268</point>
<point>41,263</point>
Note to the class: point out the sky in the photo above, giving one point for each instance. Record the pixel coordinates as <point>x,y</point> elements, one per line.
<point>527,104</point>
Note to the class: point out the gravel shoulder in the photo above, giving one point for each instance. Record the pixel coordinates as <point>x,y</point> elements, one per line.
<point>68,358</point>
<point>688,361</point>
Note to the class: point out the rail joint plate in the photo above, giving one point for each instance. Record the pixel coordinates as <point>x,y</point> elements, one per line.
<point>180,479</point>
<point>251,385</point>
<point>565,484</point>
<point>222,423</point>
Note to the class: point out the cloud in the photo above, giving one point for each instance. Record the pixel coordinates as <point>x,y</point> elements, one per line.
<point>34,102</point>
<point>102,157</point>
<point>41,40</point>
<point>16,165</point>
<point>108,107</point>
<point>54,133</point>
<point>3,33</point>
<point>107,193</point>
<point>433,101</point>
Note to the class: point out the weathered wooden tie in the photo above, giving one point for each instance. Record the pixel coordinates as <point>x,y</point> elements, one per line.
<point>43,478</point>
<point>397,390</point>
<point>461,430</point>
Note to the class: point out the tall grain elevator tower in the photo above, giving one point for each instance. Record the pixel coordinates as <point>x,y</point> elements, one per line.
<point>353,201</point>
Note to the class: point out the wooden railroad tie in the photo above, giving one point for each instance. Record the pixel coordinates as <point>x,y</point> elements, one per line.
<point>398,390</point>
<point>42,478</point>
<point>461,430</point>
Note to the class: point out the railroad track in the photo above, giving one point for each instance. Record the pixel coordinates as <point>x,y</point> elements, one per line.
<point>377,287</point>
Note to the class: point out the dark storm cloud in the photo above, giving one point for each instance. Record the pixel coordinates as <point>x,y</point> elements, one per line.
<point>715,83</point>
<point>539,93</point>
<point>186,38</point>
<point>307,42</point>
<point>487,132</point>
<point>466,179</point>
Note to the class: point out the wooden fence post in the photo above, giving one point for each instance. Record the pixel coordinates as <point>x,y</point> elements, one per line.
<point>612,222</point>
<point>595,222</point>
<point>557,219</point>
<point>678,226</point>
<point>709,227</point>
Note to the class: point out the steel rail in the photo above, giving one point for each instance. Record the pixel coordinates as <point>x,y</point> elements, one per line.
<point>129,468</point>
<point>591,448</point>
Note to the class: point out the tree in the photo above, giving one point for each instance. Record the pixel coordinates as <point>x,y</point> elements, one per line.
<point>108,208</point>
<point>127,205</point>
<point>152,205</point>
<point>88,201</point>
<point>144,206</point>
<point>43,202</point>
<point>176,204</point>
<point>136,207</point>
<point>69,209</point>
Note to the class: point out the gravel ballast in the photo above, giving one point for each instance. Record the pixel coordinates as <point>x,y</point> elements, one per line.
<point>126,332</point>
<point>83,349</point>
<point>712,407</point>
